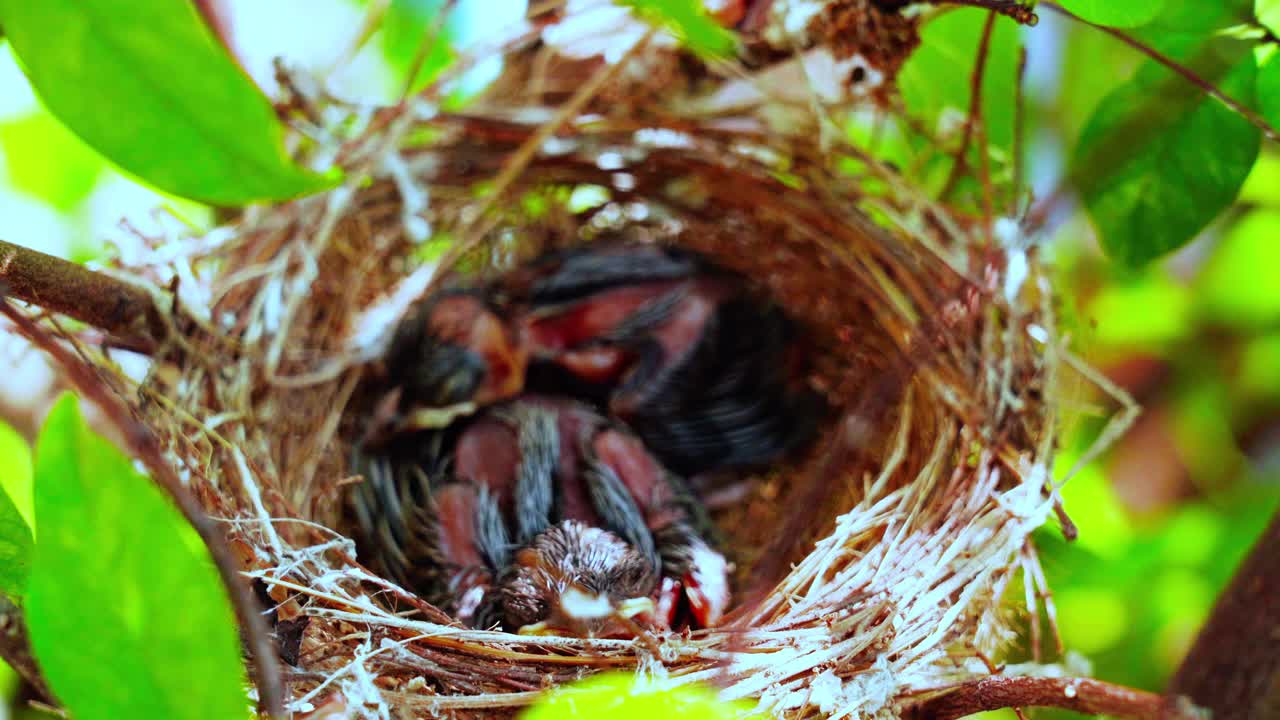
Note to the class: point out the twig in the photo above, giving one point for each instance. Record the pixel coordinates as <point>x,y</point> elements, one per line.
<point>143,446</point>
<point>126,312</point>
<point>1019,10</point>
<point>1187,73</point>
<point>1083,695</point>
<point>975,107</point>
<point>1234,666</point>
<point>1019,130</point>
<point>15,648</point>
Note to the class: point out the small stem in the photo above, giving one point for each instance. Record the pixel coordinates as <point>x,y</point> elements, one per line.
<point>122,310</point>
<point>974,117</point>
<point>1187,73</point>
<point>142,445</point>
<point>1083,695</point>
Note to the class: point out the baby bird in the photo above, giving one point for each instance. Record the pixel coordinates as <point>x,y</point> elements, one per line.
<point>541,514</point>
<point>705,372</point>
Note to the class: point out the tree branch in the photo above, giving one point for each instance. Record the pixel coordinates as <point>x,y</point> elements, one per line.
<point>142,445</point>
<point>15,648</point>
<point>125,312</point>
<point>1234,666</point>
<point>1092,697</point>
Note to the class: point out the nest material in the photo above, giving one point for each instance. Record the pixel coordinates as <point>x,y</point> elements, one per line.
<point>873,571</point>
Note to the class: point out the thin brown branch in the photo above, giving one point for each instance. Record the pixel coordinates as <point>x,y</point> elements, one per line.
<point>1187,73</point>
<point>15,649</point>
<point>1083,695</point>
<point>1019,10</point>
<point>974,118</point>
<point>143,446</point>
<point>1234,666</point>
<point>124,311</point>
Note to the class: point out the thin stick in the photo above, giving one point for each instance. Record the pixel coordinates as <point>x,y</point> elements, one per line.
<point>143,446</point>
<point>975,107</point>
<point>1083,695</point>
<point>15,648</point>
<point>125,311</point>
<point>1187,73</point>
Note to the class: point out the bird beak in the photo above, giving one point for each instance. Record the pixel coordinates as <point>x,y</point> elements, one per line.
<point>428,418</point>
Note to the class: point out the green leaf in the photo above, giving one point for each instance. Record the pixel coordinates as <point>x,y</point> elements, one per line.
<point>1269,89</point>
<point>15,480</point>
<point>1116,13</point>
<point>1268,14</point>
<point>147,85</point>
<point>620,696</point>
<point>15,530</point>
<point>1159,160</point>
<point>936,78</point>
<point>46,161</point>
<point>127,615</point>
<point>688,19</point>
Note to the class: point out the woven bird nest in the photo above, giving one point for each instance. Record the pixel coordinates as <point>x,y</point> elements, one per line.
<point>878,568</point>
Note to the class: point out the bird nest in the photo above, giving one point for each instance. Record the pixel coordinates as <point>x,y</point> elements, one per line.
<point>891,561</point>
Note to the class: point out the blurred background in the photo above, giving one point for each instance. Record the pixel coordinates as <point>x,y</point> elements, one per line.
<point>1164,516</point>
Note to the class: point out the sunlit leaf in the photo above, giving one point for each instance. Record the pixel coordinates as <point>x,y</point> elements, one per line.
<point>619,696</point>
<point>15,480</point>
<point>688,19</point>
<point>127,616</point>
<point>1159,160</point>
<point>48,162</point>
<point>1125,13</point>
<point>1240,284</point>
<point>148,85</point>
<point>1268,13</point>
<point>935,81</point>
<point>15,531</point>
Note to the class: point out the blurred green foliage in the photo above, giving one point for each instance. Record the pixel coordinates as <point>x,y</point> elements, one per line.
<point>118,569</point>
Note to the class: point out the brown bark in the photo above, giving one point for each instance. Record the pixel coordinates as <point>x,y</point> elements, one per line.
<point>1234,666</point>
<point>15,649</point>
<point>1092,697</point>
<point>127,313</point>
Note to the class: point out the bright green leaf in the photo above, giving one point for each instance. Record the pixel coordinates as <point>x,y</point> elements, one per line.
<point>46,161</point>
<point>1268,13</point>
<point>1116,13</point>
<point>147,85</point>
<point>688,19</point>
<point>1240,285</point>
<point>14,529</point>
<point>619,696</point>
<point>127,615</point>
<point>15,481</point>
<point>1158,161</point>
<point>936,78</point>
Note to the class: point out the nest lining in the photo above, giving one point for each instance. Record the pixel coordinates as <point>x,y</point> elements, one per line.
<point>883,559</point>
